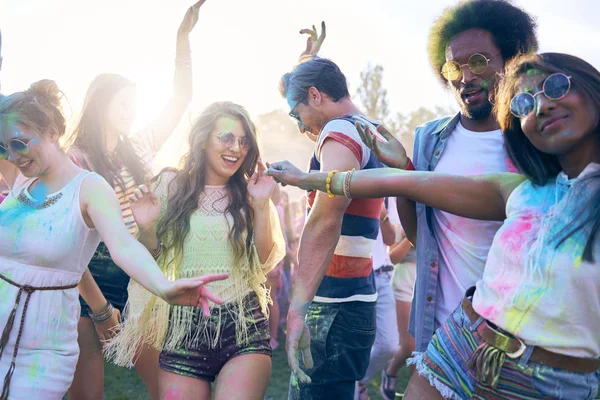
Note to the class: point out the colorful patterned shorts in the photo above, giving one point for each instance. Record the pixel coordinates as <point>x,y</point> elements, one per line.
<point>445,365</point>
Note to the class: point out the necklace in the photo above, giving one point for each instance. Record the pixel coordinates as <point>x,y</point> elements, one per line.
<point>28,202</point>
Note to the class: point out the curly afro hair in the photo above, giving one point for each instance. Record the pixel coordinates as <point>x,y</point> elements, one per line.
<point>512,28</point>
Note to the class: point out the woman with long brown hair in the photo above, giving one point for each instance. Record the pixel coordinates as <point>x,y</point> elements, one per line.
<point>212,214</point>
<point>102,142</point>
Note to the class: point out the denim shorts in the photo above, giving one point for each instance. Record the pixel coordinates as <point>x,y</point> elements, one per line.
<point>445,365</point>
<point>342,335</point>
<point>111,280</point>
<point>203,361</point>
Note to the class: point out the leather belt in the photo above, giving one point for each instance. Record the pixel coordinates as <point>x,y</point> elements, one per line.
<point>514,347</point>
<point>385,268</point>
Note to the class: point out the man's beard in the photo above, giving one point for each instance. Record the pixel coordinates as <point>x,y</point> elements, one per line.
<point>477,113</point>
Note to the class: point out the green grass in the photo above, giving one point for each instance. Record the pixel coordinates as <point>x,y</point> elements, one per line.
<point>124,384</point>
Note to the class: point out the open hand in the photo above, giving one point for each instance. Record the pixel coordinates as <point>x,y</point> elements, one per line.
<point>145,206</point>
<point>191,292</point>
<point>391,152</point>
<point>106,330</point>
<point>287,173</point>
<point>260,185</point>
<point>314,41</point>
<point>298,341</point>
<point>190,18</point>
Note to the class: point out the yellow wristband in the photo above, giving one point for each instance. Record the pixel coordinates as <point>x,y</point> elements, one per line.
<point>328,182</point>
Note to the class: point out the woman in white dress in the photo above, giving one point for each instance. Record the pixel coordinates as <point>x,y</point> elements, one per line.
<point>50,225</point>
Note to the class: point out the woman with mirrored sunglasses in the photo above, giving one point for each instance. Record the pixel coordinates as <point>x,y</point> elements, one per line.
<point>213,214</point>
<point>529,328</point>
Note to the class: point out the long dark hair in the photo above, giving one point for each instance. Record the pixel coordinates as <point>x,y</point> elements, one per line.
<point>89,135</point>
<point>539,167</point>
<point>190,180</point>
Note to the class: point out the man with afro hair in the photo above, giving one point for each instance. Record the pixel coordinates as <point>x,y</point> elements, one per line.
<point>468,46</point>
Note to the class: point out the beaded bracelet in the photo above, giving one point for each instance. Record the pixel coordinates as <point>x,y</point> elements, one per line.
<point>328,182</point>
<point>347,180</point>
<point>105,314</point>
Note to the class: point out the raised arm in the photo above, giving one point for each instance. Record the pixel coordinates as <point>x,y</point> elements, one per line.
<point>101,210</point>
<point>183,82</point>
<point>482,197</point>
<point>268,235</point>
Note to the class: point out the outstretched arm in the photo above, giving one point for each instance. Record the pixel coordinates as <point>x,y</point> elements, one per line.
<point>481,197</point>
<point>100,208</point>
<point>183,82</point>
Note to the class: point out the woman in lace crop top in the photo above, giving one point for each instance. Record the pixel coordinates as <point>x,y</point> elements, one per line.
<point>214,214</point>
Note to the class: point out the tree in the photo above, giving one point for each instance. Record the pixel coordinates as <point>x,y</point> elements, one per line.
<point>372,94</point>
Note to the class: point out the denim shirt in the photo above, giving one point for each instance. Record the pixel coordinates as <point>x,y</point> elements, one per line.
<point>430,141</point>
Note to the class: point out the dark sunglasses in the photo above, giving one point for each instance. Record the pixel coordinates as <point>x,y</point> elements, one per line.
<point>555,87</point>
<point>477,64</point>
<point>227,139</point>
<point>16,145</point>
<point>294,114</point>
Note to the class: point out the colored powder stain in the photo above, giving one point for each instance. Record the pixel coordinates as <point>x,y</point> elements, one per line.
<point>510,166</point>
<point>39,193</point>
<point>513,320</point>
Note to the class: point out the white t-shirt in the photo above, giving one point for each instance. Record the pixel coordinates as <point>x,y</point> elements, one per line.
<point>381,256</point>
<point>464,243</point>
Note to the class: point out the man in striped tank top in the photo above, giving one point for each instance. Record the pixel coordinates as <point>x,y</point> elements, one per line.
<point>331,319</point>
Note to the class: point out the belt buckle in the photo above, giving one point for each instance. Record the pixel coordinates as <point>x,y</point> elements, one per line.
<point>519,352</point>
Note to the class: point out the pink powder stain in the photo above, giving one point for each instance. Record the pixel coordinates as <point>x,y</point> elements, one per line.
<point>511,167</point>
<point>489,312</point>
<point>513,235</point>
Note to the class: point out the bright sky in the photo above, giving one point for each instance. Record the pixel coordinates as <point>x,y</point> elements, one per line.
<point>241,47</point>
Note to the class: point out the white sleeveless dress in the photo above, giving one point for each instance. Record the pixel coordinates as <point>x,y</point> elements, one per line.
<point>49,246</point>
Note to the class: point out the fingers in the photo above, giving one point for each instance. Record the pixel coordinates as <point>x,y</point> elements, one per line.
<point>307,358</point>
<point>204,306</point>
<point>364,134</point>
<point>261,167</point>
<point>309,44</point>
<point>292,354</point>
<point>212,297</point>
<point>323,32</point>
<point>385,133</point>
<point>198,4</point>
<point>302,377</point>
<point>312,32</point>
<point>139,193</point>
<point>213,277</point>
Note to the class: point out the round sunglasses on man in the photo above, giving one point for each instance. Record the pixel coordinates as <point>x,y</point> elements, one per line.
<point>477,64</point>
